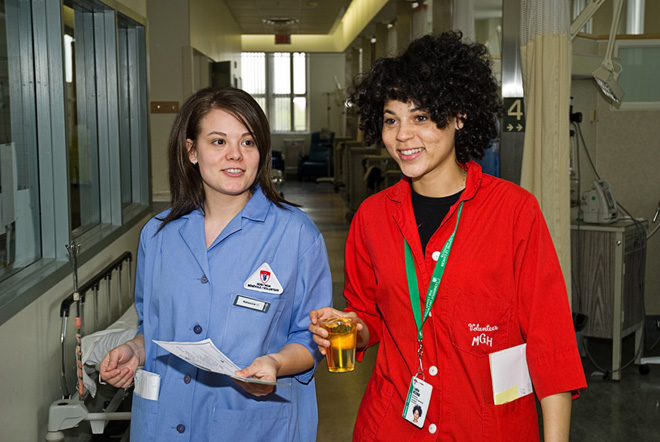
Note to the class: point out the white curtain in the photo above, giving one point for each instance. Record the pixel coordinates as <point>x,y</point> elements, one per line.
<point>462,18</point>
<point>545,53</point>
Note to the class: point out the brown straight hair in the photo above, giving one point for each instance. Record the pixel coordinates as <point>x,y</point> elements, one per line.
<point>186,185</point>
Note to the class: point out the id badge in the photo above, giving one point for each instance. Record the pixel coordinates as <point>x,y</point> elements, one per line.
<point>417,402</point>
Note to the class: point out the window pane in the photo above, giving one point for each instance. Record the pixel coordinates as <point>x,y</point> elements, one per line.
<point>639,77</point>
<point>300,114</point>
<point>125,117</point>
<point>20,228</point>
<point>262,102</point>
<point>281,117</point>
<point>253,72</point>
<point>299,73</point>
<point>81,118</point>
<point>281,73</point>
<point>268,78</point>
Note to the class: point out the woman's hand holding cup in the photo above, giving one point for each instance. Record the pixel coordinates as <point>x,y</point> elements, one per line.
<point>320,334</point>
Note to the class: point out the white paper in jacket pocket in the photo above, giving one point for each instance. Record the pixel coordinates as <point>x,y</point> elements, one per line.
<point>147,384</point>
<point>510,374</point>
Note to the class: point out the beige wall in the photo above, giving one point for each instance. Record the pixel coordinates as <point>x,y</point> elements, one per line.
<point>178,35</point>
<point>602,19</point>
<point>323,69</point>
<point>132,8</point>
<point>168,42</point>
<point>652,17</point>
<point>625,147</point>
<point>214,31</point>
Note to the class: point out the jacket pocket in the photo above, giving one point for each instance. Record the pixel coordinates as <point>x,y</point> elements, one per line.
<point>263,423</point>
<point>375,406</point>
<point>143,418</point>
<point>515,421</point>
<point>480,324</point>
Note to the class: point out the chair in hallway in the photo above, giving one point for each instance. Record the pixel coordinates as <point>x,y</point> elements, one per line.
<point>317,163</point>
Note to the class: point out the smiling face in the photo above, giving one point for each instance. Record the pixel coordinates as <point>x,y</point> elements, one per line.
<point>227,156</point>
<point>424,152</point>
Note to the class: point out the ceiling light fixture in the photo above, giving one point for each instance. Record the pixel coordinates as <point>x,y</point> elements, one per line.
<point>280,21</point>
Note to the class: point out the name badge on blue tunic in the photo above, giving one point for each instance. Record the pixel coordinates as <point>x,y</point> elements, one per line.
<point>251,303</point>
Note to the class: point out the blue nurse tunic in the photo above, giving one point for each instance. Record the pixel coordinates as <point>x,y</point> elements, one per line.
<point>186,292</point>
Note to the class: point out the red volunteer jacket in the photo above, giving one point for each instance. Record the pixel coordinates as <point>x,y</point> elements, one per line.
<point>502,287</point>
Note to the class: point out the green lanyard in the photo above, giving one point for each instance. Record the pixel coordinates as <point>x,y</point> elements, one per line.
<point>413,288</point>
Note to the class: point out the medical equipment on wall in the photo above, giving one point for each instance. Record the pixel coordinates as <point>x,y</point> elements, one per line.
<point>606,75</point>
<point>598,205</point>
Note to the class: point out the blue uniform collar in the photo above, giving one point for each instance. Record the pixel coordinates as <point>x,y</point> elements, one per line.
<point>192,229</point>
<point>257,207</point>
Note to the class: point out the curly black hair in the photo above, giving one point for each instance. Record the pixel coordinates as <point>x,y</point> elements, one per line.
<point>443,76</point>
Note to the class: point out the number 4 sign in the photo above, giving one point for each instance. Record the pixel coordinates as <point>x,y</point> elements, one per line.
<point>514,115</point>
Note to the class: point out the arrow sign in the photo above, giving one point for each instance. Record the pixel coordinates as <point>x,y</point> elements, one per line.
<point>514,114</point>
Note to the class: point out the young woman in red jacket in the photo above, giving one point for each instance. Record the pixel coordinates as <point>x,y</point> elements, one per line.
<point>451,265</point>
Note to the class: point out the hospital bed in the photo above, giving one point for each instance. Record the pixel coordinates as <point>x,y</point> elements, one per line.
<point>108,318</point>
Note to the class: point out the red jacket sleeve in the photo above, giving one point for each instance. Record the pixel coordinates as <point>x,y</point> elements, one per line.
<point>544,313</point>
<point>360,282</point>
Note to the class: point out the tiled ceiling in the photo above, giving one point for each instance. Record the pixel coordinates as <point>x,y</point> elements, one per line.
<point>311,17</point>
<point>314,16</point>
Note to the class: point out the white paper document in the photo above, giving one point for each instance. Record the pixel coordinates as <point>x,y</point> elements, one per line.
<point>510,374</point>
<point>205,355</point>
<point>147,384</point>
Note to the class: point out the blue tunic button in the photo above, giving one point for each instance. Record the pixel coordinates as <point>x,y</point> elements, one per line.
<point>197,329</point>
<point>180,428</point>
<point>204,279</point>
<point>187,379</point>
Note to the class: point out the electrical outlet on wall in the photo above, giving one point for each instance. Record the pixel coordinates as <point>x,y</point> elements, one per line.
<point>593,116</point>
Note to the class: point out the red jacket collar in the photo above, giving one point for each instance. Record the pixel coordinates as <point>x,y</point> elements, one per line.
<point>401,191</point>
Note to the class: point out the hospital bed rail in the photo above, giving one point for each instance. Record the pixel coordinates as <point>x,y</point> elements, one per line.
<point>69,411</point>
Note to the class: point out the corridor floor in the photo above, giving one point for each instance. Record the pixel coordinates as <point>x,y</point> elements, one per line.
<point>627,410</point>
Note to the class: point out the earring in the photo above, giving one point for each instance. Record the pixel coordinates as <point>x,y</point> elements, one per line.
<point>194,162</point>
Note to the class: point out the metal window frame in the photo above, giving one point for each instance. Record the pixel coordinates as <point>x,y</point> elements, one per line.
<point>51,128</point>
<point>270,95</point>
<point>39,29</point>
<point>133,116</point>
<point>22,98</point>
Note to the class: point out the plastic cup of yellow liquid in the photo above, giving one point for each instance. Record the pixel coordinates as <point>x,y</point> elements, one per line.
<point>342,334</point>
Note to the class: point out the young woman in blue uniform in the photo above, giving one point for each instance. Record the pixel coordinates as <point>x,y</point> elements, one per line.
<point>233,262</point>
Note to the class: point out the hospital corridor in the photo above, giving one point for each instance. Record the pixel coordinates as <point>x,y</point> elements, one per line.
<point>527,130</point>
